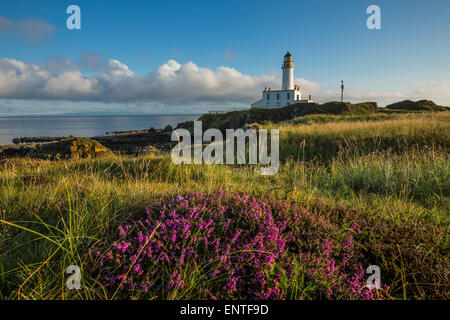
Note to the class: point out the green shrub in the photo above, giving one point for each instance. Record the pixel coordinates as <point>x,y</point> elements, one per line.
<point>75,148</point>
<point>421,105</point>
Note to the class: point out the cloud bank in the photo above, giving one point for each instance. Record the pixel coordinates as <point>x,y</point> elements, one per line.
<point>170,84</point>
<point>115,82</point>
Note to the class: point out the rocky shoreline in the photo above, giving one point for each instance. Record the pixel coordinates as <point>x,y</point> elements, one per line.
<point>135,142</point>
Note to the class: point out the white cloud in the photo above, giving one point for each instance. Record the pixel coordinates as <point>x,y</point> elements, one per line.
<point>172,84</point>
<point>70,84</point>
<point>357,94</point>
<point>438,92</point>
<point>19,80</point>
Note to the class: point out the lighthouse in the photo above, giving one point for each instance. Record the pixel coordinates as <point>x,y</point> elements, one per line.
<point>289,93</point>
<point>288,73</point>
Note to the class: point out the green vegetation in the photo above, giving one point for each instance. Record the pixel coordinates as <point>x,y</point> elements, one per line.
<point>328,138</point>
<point>76,148</point>
<point>421,105</point>
<point>237,119</point>
<point>64,148</point>
<point>390,171</point>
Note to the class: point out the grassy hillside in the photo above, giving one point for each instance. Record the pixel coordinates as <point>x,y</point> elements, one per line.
<point>353,190</point>
<point>341,136</point>
<point>237,119</point>
<point>421,105</point>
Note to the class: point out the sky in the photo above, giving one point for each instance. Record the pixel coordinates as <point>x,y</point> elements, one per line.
<point>171,57</point>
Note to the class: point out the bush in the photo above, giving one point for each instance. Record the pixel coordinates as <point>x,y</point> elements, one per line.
<point>231,246</point>
<point>74,148</point>
<point>421,105</point>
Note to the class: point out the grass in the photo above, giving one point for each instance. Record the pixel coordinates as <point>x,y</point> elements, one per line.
<point>392,168</point>
<point>345,137</point>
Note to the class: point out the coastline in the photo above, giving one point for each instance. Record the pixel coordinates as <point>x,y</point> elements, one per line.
<point>82,126</point>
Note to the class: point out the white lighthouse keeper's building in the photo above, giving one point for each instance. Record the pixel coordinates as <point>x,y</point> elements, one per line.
<point>289,92</point>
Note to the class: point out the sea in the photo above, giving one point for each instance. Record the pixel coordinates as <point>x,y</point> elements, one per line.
<point>82,126</point>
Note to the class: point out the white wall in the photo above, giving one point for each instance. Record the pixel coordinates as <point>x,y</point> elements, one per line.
<point>278,98</point>
<point>288,79</point>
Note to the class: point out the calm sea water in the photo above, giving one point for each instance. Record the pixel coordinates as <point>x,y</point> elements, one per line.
<point>81,126</point>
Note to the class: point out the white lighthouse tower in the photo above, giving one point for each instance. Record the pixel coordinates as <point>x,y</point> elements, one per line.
<point>289,93</point>
<point>288,73</point>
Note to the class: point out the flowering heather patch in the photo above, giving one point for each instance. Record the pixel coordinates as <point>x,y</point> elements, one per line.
<point>223,244</point>
<point>231,246</point>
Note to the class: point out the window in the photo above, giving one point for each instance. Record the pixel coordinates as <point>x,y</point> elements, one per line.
<point>298,97</point>
<point>278,96</point>
<point>289,96</point>
<point>268,96</point>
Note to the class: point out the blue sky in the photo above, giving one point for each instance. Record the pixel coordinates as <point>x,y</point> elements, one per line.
<point>408,58</point>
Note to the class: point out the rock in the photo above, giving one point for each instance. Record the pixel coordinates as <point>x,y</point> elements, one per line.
<point>75,148</point>
<point>147,150</point>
